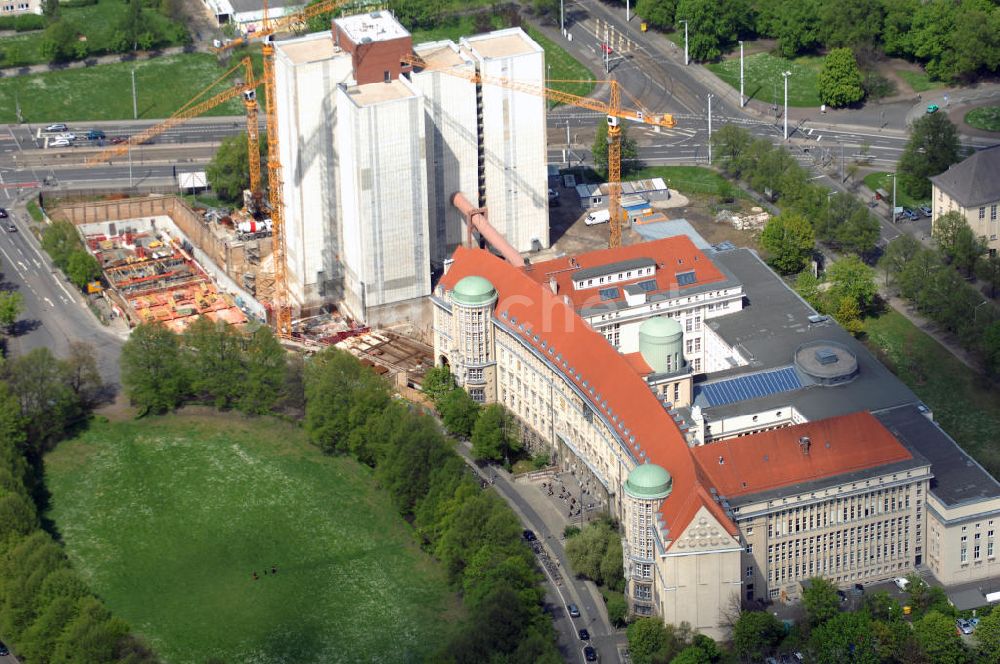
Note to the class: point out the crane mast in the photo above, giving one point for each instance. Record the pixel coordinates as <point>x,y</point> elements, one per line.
<point>282,309</point>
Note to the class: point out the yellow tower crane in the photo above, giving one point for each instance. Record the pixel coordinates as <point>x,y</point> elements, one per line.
<point>612,109</point>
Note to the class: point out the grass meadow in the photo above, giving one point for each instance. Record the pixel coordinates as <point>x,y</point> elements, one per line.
<point>168,517</point>
<point>104,92</point>
<point>984,117</point>
<point>965,404</point>
<point>762,77</point>
<point>919,81</point>
<point>689,179</point>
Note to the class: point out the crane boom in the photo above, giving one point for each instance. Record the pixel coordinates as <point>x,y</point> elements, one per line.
<point>612,109</point>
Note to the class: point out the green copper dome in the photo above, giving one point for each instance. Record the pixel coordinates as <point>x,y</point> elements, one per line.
<point>473,292</point>
<point>660,326</point>
<point>649,481</point>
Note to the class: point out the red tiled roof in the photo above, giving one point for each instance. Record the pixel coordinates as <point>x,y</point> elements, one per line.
<point>773,459</point>
<point>610,375</point>
<point>638,363</point>
<point>666,253</point>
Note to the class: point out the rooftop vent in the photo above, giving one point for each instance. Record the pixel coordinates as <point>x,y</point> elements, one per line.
<point>826,356</point>
<point>804,443</point>
<point>721,460</point>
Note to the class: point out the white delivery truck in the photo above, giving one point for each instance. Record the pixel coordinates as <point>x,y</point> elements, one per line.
<point>598,217</point>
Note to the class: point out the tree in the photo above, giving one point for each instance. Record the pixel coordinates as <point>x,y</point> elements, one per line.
<point>847,637</point>
<point>11,305</point>
<point>599,151</point>
<point>494,436</point>
<point>794,23</point>
<point>957,242</point>
<point>264,366</point>
<point>988,639</point>
<point>617,610</point>
<point>438,382</point>
<point>691,655</point>
<point>840,79</point>
<point>755,633</point>
<point>846,223</point>
<point>153,371</point>
<point>987,270</point>
<point>82,374</point>
<point>58,41</point>
<point>82,268</point>
<point>807,286</point>
<point>60,240</point>
<point>713,26</point>
<point>939,640</point>
<point>820,600</point>
<point>852,279</point>
<point>214,354</point>
<point>731,145</point>
<point>852,23</point>
<point>549,8</point>
<point>48,404</point>
<point>788,238</point>
<point>657,13</point>
<point>50,9</point>
<point>649,641</point>
<point>341,395</point>
<point>897,255</point>
<point>133,23</point>
<point>459,412</point>
<point>229,171</point>
<point>932,148</point>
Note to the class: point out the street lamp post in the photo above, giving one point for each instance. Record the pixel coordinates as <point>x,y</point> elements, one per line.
<point>742,103</point>
<point>685,42</point>
<point>786,75</point>
<point>710,130</point>
<point>135,105</point>
<point>562,18</point>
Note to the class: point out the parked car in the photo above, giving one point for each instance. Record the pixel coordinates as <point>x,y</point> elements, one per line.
<point>3,213</point>
<point>60,143</point>
<point>584,635</point>
<point>529,535</point>
<point>553,194</point>
<point>3,650</point>
<point>925,210</point>
<point>932,108</point>
<point>59,126</point>
<point>901,583</point>
<point>590,654</point>
<point>574,611</point>
<point>910,214</point>
<point>964,626</point>
<point>96,135</point>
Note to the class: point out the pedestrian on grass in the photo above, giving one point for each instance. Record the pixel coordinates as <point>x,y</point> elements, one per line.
<point>255,577</point>
<point>274,569</point>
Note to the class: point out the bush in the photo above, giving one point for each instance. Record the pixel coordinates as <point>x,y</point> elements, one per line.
<point>23,23</point>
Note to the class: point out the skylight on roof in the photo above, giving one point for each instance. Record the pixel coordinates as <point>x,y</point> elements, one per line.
<point>608,294</point>
<point>686,278</point>
<point>648,285</point>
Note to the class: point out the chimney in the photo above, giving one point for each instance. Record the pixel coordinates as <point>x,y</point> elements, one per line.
<point>553,285</point>
<point>804,443</point>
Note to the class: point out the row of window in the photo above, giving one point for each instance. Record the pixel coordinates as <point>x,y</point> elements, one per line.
<point>976,546</point>
<point>993,212</point>
<point>641,272</point>
<point>847,509</point>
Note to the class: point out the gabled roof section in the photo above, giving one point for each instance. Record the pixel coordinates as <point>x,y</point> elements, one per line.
<point>973,181</point>
<point>671,256</point>
<point>780,458</point>
<point>610,382</point>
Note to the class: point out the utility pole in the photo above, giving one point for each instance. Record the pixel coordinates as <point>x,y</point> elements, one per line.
<point>130,164</point>
<point>893,198</point>
<point>607,50</point>
<point>710,130</point>
<point>562,18</point>
<point>685,42</point>
<point>135,105</point>
<point>628,10</point>
<point>742,103</point>
<point>786,75</point>
<point>842,176</point>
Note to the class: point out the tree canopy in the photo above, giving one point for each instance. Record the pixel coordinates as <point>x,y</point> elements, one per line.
<point>932,148</point>
<point>229,170</point>
<point>840,81</point>
<point>788,239</point>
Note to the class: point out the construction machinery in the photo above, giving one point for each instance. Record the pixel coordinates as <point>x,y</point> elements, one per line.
<point>612,109</point>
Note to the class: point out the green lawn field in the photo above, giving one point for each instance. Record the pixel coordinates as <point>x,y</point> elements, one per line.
<point>984,117</point>
<point>965,404</point>
<point>762,79</point>
<point>919,81</point>
<point>882,180</point>
<point>104,92</point>
<point>688,179</point>
<point>168,517</point>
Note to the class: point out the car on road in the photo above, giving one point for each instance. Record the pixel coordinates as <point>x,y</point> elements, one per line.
<point>574,611</point>
<point>925,210</point>
<point>3,650</point>
<point>933,108</point>
<point>96,135</point>
<point>11,228</point>
<point>59,126</point>
<point>68,136</point>
<point>3,213</point>
<point>60,143</point>
<point>590,654</point>
<point>584,635</point>
<point>119,139</point>
<point>529,536</point>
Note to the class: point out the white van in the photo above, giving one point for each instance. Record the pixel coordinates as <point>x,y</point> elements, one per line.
<point>598,217</point>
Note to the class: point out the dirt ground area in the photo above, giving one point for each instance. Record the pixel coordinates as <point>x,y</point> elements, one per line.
<point>570,235</point>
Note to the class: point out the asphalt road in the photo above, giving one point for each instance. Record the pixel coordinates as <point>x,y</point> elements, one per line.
<point>54,315</point>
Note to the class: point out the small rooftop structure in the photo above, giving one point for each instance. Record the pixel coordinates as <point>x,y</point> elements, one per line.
<point>366,28</point>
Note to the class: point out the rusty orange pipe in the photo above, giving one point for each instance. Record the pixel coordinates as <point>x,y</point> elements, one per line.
<point>476,218</point>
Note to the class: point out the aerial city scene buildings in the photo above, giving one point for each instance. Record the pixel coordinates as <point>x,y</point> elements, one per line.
<point>472,335</point>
